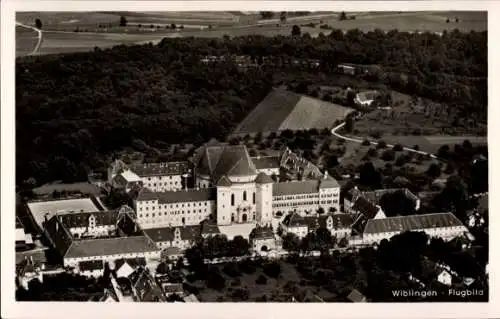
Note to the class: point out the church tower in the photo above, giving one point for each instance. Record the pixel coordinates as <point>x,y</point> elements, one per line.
<point>224,201</point>
<point>264,200</point>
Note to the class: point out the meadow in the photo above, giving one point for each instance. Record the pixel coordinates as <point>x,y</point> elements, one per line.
<point>282,110</point>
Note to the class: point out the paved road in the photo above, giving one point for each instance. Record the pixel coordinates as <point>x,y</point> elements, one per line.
<point>358,140</point>
<point>39,43</point>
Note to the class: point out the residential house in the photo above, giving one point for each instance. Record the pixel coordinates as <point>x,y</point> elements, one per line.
<point>23,239</point>
<point>339,225</point>
<point>125,267</point>
<point>445,278</point>
<point>144,287</point>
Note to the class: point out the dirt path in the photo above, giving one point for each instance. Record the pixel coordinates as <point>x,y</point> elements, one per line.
<point>359,140</point>
<point>39,43</point>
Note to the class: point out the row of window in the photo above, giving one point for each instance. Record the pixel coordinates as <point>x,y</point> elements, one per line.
<point>294,204</point>
<point>159,177</point>
<point>329,201</point>
<point>162,184</point>
<point>176,212</point>
<point>329,195</point>
<point>165,206</point>
<point>292,197</point>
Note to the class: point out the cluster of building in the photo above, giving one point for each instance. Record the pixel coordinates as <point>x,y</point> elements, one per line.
<point>222,191</point>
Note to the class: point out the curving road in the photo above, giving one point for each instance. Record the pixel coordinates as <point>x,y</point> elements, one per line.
<point>358,140</point>
<point>39,43</point>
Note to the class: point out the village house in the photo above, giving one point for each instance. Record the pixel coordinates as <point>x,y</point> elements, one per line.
<point>156,177</point>
<point>125,267</point>
<point>445,278</point>
<point>339,225</point>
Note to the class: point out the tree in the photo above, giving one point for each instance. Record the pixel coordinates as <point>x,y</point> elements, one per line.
<point>398,148</point>
<point>349,124</point>
<point>369,176</point>
<point>365,142</point>
<point>38,23</point>
<point>283,17</point>
<point>261,280</point>
<point>388,155</point>
<point>343,16</point>
<point>266,15</point>
<point>173,26</point>
<point>397,203</point>
<point>296,31</point>
<point>434,170</point>
<point>123,21</point>
<point>291,242</point>
<point>381,144</point>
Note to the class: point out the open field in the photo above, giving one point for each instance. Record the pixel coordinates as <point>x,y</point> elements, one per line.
<point>26,40</point>
<point>415,116</point>
<point>196,24</point>
<point>415,21</point>
<point>282,110</point>
<point>313,113</point>
<point>431,144</point>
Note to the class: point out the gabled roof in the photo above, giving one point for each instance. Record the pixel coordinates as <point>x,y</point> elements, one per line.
<point>190,232</point>
<point>145,287</point>
<point>132,262</point>
<point>180,196</point>
<point>102,218</point>
<point>295,188</point>
<point>328,182</point>
<point>261,233</point>
<point>229,160</point>
<point>266,162</point>
<point>263,178</point>
<point>110,246</point>
<point>161,169</point>
<point>365,207</point>
<point>411,223</point>
<point>224,182</point>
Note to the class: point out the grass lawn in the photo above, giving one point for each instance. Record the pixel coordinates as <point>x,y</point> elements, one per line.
<point>283,109</point>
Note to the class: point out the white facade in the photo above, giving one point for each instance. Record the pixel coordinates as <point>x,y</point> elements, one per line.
<point>327,198</point>
<point>148,255</point>
<point>445,278</point>
<point>446,233</point>
<point>125,270</point>
<point>96,273</point>
<point>153,214</point>
<point>237,203</point>
<point>258,244</point>
<point>162,183</point>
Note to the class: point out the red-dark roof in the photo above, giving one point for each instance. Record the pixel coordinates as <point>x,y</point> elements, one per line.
<point>161,169</point>
<point>190,195</point>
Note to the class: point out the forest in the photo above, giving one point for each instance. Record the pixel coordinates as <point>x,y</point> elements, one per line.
<point>74,111</point>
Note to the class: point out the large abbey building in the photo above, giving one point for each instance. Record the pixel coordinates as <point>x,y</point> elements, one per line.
<point>231,188</point>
